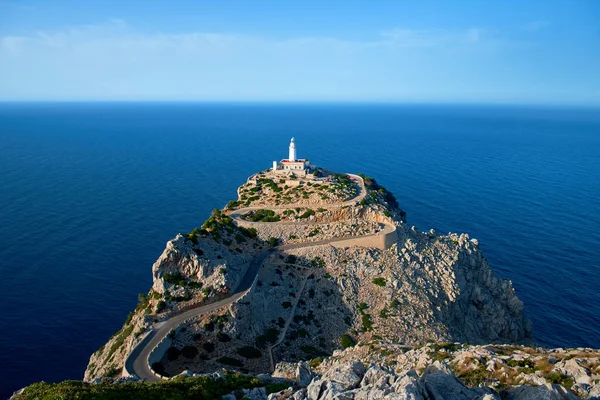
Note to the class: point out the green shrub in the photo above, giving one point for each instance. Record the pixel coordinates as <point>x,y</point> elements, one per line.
<point>277,387</point>
<point>189,352</point>
<point>347,341</point>
<point>112,372</point>
<point>312,351</point>
<point>269,336</point>
<point>273,242</point>
<point>249,352</point>
<point>160,306</point>
<point>195,285</point>
<point>129,318</point>
<point>450,347</point>
<point>232,204</point>
<point>367,324</point>
<point>383,313</point>
<point>248,232</point>
<point>173,353</point>
<point>560,379</point>
<point>307,213</point>
<point>174,278</point>
<point>234,362</point>
<point>525,363</point>
<point>440,356</point>
<point>121,336</point>
<point>317,262</point>
<point>262,216</point>
<point>379,282</point>
<point>223,337</point>
<point>315,362</point>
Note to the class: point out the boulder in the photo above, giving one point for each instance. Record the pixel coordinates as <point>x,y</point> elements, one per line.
<point>544,392</point>
<point>304,374</point>
<point>347,375</point>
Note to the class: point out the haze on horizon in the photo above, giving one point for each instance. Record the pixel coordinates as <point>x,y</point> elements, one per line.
<point>387,51</point>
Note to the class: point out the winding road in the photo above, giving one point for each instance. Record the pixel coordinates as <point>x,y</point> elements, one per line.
<point>137,362</point>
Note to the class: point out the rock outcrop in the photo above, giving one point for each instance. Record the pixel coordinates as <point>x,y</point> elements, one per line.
<point>377,370</point>
<point>449,371</point>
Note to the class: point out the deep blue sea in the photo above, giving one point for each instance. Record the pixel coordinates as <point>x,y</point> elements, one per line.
<point>90,193</point>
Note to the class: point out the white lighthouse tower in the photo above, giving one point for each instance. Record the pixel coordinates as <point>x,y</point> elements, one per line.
<point>292,165</point>
<point>292,156</point>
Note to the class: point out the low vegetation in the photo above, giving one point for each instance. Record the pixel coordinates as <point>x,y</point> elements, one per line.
<point>269,336</point>
<point>261,216</point>
<point>180,388</point>
<point>249,352</point>
<point>347,341</point>
<point>379,282</point>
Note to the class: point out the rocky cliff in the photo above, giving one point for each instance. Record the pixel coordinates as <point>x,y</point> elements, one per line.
<point>310,299</point>
<point>445,371</point>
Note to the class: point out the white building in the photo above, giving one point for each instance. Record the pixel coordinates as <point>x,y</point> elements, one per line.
<point>292,164</point>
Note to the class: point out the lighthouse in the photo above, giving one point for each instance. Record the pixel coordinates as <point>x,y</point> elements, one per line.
<point>292,165</point>
<point>292,156</point>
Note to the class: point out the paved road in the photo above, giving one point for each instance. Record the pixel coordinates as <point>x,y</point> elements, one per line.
<point>137,361</point>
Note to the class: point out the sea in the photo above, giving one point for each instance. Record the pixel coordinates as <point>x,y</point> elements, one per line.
<point>91,192</point>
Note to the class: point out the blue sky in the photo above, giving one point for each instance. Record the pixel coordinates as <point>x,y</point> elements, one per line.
<point>492,51</point>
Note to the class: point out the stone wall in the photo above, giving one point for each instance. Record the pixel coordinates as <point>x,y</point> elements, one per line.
<point>379,240</point>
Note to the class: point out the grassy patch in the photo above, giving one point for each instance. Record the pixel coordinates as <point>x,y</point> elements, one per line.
<point>473,377</point>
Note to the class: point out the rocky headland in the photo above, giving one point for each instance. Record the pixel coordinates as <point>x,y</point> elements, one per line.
<point>317,288</point>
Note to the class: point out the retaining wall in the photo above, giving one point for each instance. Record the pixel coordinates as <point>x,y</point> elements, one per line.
<point>380,240</point>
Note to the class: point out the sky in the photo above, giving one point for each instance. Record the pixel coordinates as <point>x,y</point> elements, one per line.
<point>473,51</point>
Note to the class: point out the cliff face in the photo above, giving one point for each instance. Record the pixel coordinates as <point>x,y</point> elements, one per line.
<point>309,300</point>
<point>424,288</point>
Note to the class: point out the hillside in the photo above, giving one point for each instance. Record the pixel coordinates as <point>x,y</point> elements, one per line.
<point>298,281</point>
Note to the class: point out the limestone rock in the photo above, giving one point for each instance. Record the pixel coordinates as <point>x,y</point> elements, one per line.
<point>545,392</point>
<point>303,374</point>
